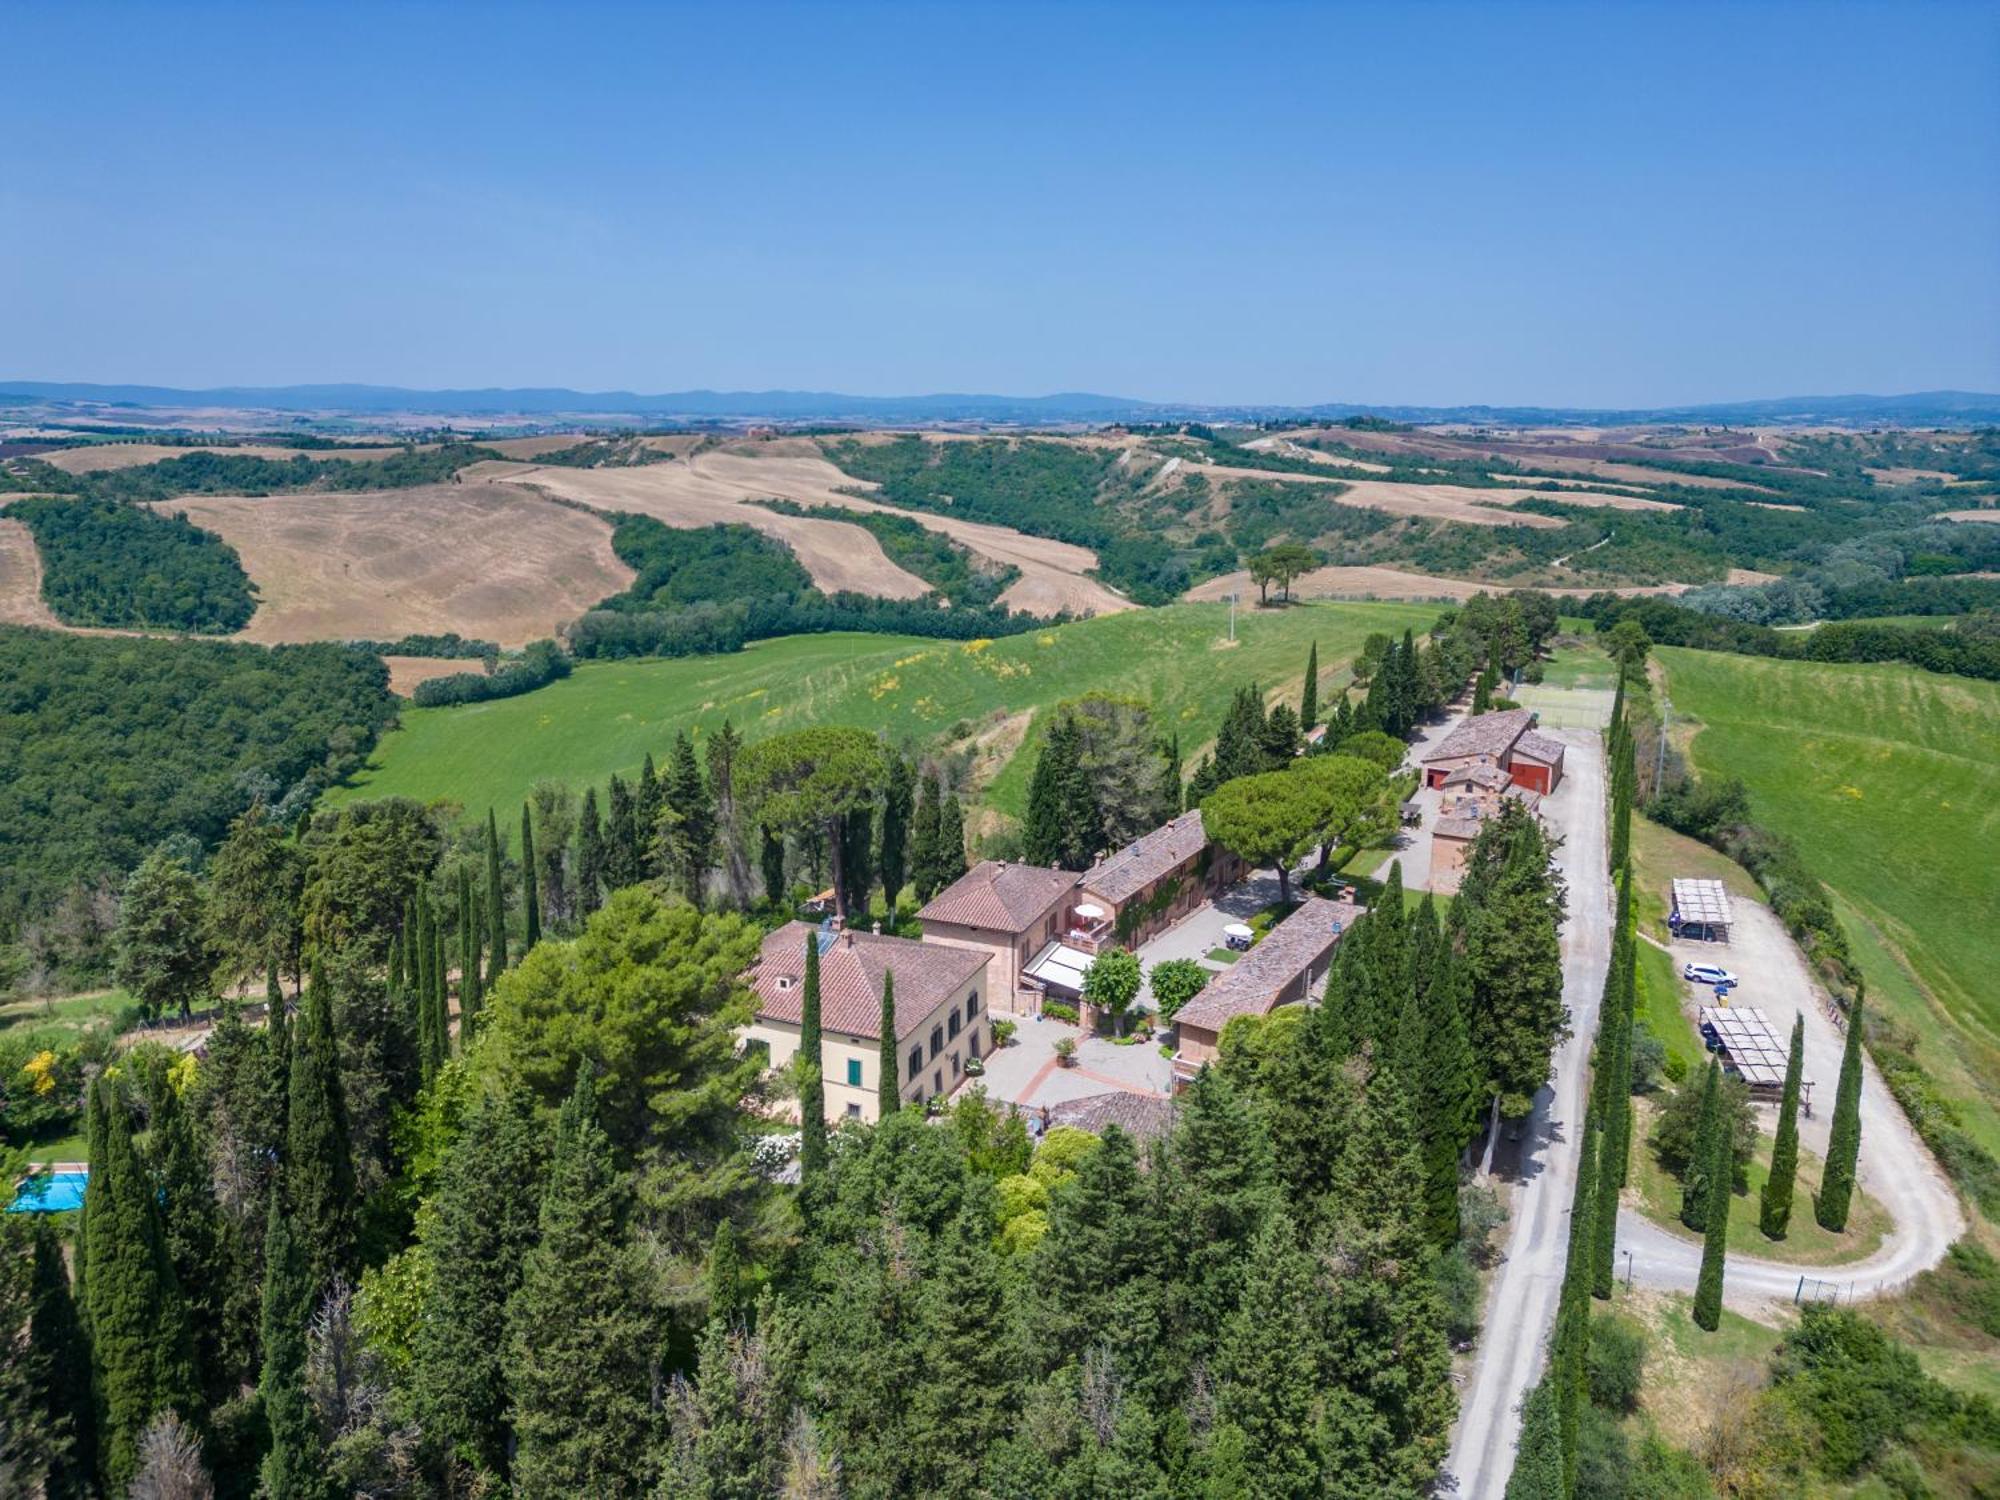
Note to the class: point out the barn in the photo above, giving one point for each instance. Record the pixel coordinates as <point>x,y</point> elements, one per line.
<point>1506,740</point>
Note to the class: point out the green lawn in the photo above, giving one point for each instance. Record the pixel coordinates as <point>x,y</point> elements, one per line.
<point>607,716</point>
<point>1658,1195</point>
<point>61,1020</point>
<point>1659,1007</point>
<point>1888,778</point>
<point>1582,665</point>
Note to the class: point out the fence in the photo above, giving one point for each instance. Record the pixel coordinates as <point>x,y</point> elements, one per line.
<point>1838,1293</point>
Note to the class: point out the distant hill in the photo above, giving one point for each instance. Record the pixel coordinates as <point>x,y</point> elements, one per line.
<point>1923,408</point>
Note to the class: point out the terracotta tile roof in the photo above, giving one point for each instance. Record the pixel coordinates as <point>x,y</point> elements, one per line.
<point>1119,877</point>
<point>1539,745</point>
<point>1490,777</point>
<point>1456,828</point>
<point>1484,734</point>
<point>1000,896</point>
<point>1250,986</point>
<point>851,967</point>
<point>1144,1116</point>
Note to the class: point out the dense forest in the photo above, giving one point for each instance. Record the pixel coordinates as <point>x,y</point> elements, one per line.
<point>107,563</point>
<point>217,471</point>
<point>109,746</point>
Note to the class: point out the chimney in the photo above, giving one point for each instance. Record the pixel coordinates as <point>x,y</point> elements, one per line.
<point>847,939</point>
<point>877,929</point>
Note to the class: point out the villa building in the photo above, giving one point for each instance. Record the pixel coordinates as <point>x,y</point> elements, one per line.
<point>1506,741</point>
<point>1009,911</point>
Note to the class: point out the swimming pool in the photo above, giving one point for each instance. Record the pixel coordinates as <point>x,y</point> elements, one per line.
<point>50,1193</point>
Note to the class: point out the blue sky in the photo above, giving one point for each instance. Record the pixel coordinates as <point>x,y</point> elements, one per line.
<point>1583,205</point>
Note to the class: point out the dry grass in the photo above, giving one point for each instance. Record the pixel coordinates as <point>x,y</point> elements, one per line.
<point>494,562</point>
<point>534,447</point>
<point>21,577</point>
<point>1991,517</point>
<point>717,485</point>
<point>405,672</point>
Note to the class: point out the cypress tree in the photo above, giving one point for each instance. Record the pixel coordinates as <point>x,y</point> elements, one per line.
<point>531,891</point>
<point>1843,1150</point>
<point>141,1345</point>
<point>621,838</point>
<point>496,902</point>
<point>812,1084</point>
<point>59,1375</point>
<point>889,1095</point>
<point>319,1170</point>
<point>480,1225</point>
<point>589,856</point>
<point>950,839</point>
<point>1774,1214</point>
<point>687,832</point>
<point>470,924</point>
<point>1538,1453</point>
<point>1715,1236</point>
<point>581,1342</point>
<point>293,1467</point>
<point>771,865</point>
<point>923,840</point>
<point>724,1276</point>
<point>1569,1358</point>
<point>1694,1186</point>
<point>645,819</point>
<point>395,966</point>
<point>278,1052</point>
<point>1046,832</point>
<point>440,1005</point>
<point>1309,699</point>
<point>1434,1056</point>
<point>898,802</point>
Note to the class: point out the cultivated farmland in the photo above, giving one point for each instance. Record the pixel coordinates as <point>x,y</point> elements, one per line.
<point>606,716</point>
<point>21,601</point>
<point>493,562</point>
<point>1887,777</point>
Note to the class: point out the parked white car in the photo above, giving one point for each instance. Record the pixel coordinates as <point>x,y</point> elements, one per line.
<point>1708,974</point>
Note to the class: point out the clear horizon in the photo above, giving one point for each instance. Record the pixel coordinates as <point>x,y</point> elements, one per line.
<point>1547,205</point>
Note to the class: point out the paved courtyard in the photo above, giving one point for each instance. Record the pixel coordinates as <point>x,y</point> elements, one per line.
<point>1025,1072</point>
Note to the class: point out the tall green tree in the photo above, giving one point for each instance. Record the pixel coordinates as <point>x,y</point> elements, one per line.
<point>1715,1233</point>
<point>1515,904</point>
<point>476,1234</point>
<point>1701,1158</point>
<point>1569,1353</point>
<point>471,931</point>
<point>294,1467</point>
<point>319,1166</point>
<point>1063,828</point>
<point>1269,1387</point>
<point>647,799</point>
<point>1774,1215</point>
<point>1843,1148</point>
<point>531,895</point>
<point>950,851</point>
<point>621,838</point>
<point>924,860</point>
<point>256,881</point>
<point>812,1080</point>
<point>57,1376</point>
<point>581,1342</point>
<point>496,902</point>
<point>1538,1454</point>
<point>813,779</point>
<point>164,955</point>
<point>1309,700</point>
<point>889,1094</point>
<point>898,804</point>
<point>1434,1054</point>
<point>687,822</point>
<point>141,1344</point>
<point>590,856</point>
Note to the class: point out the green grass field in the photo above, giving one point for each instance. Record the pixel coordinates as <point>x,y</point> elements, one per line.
<point>607,716</point>
<point>1888,779</point>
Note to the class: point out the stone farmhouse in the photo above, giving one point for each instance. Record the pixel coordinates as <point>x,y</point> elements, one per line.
<point>1507,741</point>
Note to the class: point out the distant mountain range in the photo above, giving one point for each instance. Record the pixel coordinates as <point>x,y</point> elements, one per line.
<point>1924,408</point>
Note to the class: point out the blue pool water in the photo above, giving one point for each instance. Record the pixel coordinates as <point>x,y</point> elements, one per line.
<point>50,1193</point>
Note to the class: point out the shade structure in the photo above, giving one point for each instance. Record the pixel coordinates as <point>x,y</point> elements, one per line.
<point>1744,1034</point>
<point>1090,912</point>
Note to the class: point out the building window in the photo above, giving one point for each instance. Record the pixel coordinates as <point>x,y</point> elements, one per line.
<point>916,1060</point>
<point>951,1027</point>
<point>853,1111</point>
<point>972,1005</point>
<point>854,1072</point>
<point>954,1067</point>
<point>937,1040</point>
<point>937,1082</point>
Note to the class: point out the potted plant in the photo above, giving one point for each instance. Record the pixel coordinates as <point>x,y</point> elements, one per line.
<point>1065,1051</point>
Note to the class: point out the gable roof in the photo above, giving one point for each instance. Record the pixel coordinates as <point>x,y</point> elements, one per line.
<point>1250,986</point>
<point>1141,1116</point>
<point>1484,734</point>
<point>1541,747</point>
<point>999,895</point>
<point>851,967</point>
<point>1119,877</point>
<point>1491,777</point>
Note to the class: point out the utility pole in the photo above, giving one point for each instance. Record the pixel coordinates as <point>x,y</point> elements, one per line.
<point>1660,759</point>
<point>1232,616</point>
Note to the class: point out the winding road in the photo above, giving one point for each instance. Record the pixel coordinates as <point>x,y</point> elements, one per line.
<point>1520,1309</point>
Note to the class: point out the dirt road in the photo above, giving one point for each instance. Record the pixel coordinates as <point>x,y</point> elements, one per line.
<point>1895,1168</point>
<point>1521,1303</point>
